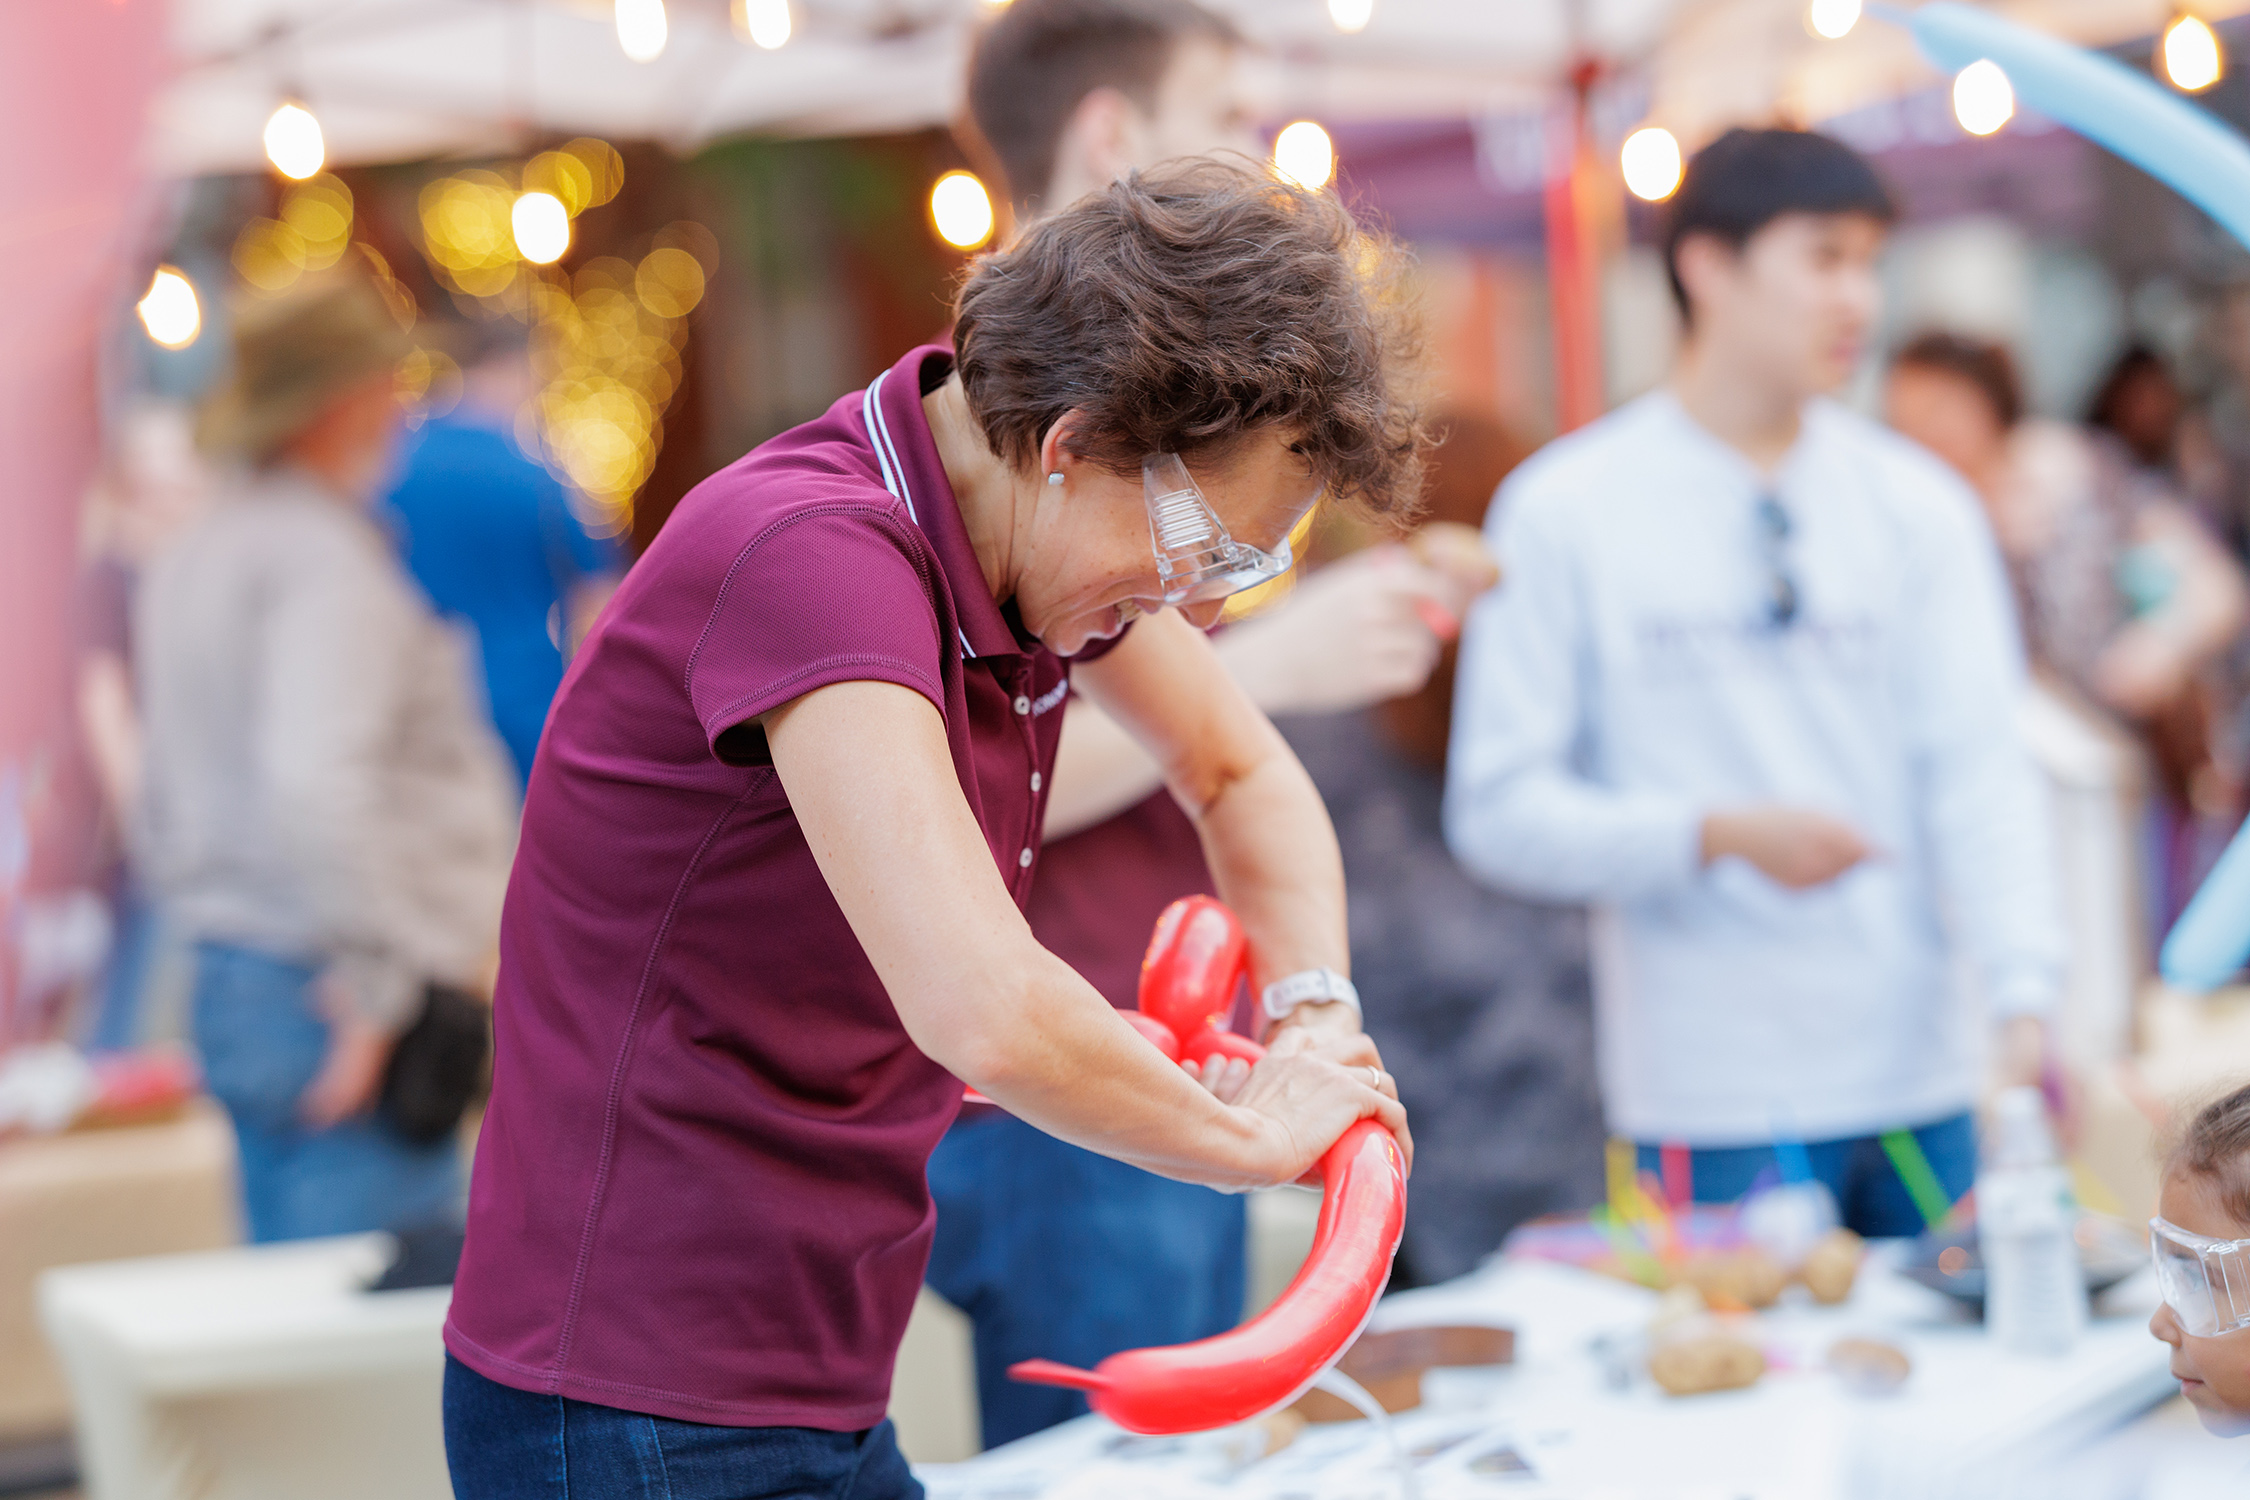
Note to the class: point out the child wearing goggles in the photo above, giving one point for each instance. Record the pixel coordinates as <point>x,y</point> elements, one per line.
<point>2201,1242</point>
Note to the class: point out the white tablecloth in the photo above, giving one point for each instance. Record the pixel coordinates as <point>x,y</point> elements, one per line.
<point>1970,1421</point>
<point>262,1373</point>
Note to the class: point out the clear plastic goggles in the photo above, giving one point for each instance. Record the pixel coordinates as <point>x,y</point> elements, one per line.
<point>2205,1282</point>
<point>1196,559</point>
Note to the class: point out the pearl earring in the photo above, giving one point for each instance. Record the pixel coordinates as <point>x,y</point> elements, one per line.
<point>1055,478</point>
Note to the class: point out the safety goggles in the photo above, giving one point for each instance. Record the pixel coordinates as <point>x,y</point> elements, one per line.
<point>1196,560</point>
<point>2205,1282</point>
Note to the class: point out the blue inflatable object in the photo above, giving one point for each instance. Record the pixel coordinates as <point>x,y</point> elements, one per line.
<point>2121,108</point>
<point>2205,162</point>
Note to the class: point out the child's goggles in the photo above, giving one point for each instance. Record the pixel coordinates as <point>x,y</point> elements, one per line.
<point>2205,1282</point>
<point>1196,560</point>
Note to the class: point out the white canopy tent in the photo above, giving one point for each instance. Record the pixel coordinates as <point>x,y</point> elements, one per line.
<point>396,80</point>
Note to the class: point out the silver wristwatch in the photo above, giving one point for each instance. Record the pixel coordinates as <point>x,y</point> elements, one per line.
<point>1308,987</point>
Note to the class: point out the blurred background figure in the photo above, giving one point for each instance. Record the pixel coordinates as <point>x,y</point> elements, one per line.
<point>1481,1000</point>
<point>492,539</point>
<point>1052,1250</point>
<point>2123,594</point>
<point>153,485</point>
<point>326,816</point>
<point>1751,687</point>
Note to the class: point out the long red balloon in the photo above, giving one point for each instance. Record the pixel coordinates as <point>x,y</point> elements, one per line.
<point>1187,987</point>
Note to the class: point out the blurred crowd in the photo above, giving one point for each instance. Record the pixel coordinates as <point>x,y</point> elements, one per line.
<point>316,640</point>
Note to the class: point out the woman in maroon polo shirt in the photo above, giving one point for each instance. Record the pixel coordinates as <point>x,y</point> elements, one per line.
<point>766,916</point>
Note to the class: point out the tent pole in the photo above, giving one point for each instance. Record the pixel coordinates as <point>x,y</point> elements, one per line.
<point>1569,199</point>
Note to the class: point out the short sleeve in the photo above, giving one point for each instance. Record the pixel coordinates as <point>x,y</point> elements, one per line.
<point>835,595</point>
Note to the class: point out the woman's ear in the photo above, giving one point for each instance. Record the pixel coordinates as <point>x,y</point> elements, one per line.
<point>1055,456</point>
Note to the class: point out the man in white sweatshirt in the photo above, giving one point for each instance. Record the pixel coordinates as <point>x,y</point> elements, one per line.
<point>1751,691</point>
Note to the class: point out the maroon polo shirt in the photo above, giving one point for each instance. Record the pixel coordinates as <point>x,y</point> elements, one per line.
<point>701,1190</point>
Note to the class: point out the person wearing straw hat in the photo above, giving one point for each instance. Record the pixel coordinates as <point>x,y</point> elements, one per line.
<point>325,813</point>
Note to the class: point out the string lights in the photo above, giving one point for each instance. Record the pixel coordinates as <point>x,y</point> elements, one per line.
<point>1351,16</point>
<point>961,210</point>
<point>293,142</point>
<point>642,29</point>
<point>1831,19</point>
<point>169,312</point>
<point>765,22</point>
<point>1983,99</point>
<point>1303,154</point>
<point>2192,59</point>
<point>1650,160</point>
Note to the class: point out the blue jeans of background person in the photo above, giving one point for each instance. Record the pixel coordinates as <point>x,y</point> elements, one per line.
<point>506,1444</point>
<point>262,1037</point>
<point>1857,1170</point>
<point>120,996</point>
<point>1054,1251</point>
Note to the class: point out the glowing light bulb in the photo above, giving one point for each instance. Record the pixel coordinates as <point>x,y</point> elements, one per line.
<point>1351,15</point>
<point>642,29</point>
<point>765,22</point>
<point>541,226</point>
<point>1650,159</point>
<point>2191,55</point>
<point>1303,154</point>
<point>1832,18</point>
<point>169,311</point>
<point>293,142</point>
<point>962,210</point>
<point>1983,99</point>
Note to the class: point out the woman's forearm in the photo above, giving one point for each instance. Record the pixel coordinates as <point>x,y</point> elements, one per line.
<point>1273,853</point>
<point>1051,1051</point>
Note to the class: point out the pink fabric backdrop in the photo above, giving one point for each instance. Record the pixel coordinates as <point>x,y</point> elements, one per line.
<point>75,81</point>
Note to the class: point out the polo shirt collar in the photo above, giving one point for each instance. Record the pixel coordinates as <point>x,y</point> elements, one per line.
<point>906,454</point>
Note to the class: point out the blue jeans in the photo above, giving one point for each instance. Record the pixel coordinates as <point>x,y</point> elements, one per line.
<point>262,1041</point>
<point>1052,1250</point>
<point>506,1444</point>
<point>115,1022</point>
<point>1857,1170</point>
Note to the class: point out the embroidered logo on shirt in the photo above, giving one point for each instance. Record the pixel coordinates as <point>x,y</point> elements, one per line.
<point>1050,698</point>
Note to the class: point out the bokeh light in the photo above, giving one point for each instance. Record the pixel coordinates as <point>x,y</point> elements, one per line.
<point>314,230</point>
<point>1983,99</point>
<point>642,29</point>
<point>169,311</point>
<point>428,384</point>
<point>2192,59</point>
<point>1304,155</point>
<point>541,227</point>
<point>1350,16</point>
<point>1650,159</point>
<point>293,142</point>
<point>1831,18</point>
<point>962,210</point>
<point>468,232</point>
<point>765,22</point>
<point>669,281</point>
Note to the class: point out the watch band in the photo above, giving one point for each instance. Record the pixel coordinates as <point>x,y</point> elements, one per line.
<point>1306,987</point>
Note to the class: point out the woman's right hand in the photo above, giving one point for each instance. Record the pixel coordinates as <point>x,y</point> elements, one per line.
<point>1298,1102</point>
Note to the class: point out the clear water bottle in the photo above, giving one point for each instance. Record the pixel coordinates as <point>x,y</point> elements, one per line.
<point>2034,1291</point>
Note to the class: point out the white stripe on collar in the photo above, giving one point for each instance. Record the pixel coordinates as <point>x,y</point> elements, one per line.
<point>893,467</point>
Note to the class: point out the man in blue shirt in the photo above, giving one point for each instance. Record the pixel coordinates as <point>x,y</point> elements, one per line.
<point>491,536</point>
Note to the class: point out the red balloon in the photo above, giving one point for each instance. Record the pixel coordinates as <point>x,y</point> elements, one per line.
<point>1193,963</point>
<point>1195,958</point>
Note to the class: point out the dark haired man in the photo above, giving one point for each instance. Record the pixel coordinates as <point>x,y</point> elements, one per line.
<point>1752,692</point>
<point>1053,1250</point>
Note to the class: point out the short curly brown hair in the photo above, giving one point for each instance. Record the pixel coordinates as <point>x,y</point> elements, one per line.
<point>1187,307</point>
